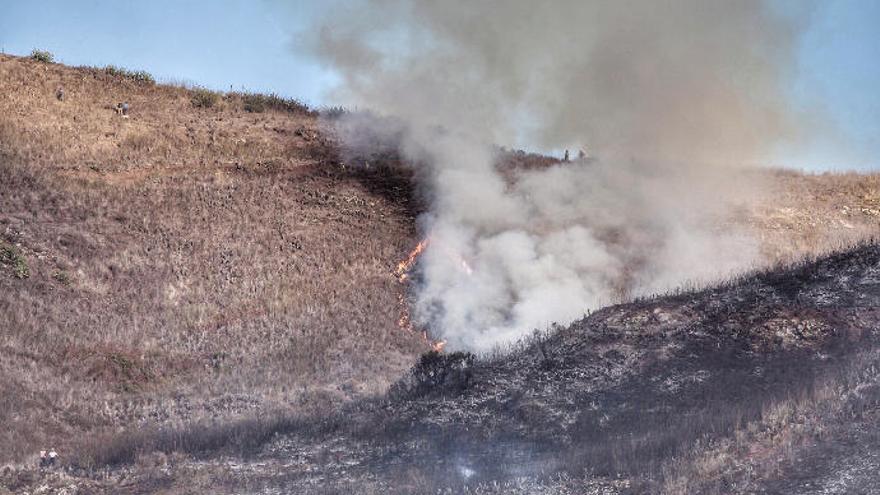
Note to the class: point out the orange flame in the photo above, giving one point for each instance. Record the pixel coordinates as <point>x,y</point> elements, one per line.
<point>402,275</point>
<point>402,272</point>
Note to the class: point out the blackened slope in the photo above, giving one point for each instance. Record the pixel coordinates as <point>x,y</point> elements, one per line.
<point>645,390</point>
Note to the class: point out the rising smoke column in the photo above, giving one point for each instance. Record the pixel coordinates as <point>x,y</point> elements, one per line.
<point>673,97</point>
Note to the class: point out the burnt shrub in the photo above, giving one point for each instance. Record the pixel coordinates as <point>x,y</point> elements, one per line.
<point>437,373</point>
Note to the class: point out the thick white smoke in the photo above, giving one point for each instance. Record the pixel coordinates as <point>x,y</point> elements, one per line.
<point>672,97</point>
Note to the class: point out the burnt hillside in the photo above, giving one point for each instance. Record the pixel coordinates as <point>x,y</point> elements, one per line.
<point>776,374</point>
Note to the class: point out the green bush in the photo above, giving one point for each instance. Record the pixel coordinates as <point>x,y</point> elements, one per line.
<point>259,103</point>
<point>10,256</point>
<point>138,76</point>
<point>43,56</point>
<point>142,76</point>
<point>204,98</point>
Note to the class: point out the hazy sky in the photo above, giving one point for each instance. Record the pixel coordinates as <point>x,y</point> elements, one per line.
<point>252,44</point>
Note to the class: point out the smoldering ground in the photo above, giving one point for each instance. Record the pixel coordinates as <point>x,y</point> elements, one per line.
<point>673,98</point>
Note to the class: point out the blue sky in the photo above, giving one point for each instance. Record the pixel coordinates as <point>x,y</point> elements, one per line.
<point>252,45</point>
<point>839,61</point>
<point>242,44</point>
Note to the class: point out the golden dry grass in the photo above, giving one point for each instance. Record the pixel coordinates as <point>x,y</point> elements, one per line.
<point>807,214</point>
<point>185,263</point>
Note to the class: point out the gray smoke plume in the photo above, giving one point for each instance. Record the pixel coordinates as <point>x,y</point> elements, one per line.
<point>673,97</point>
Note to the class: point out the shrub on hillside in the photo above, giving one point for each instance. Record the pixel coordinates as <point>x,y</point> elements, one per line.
<point>138,76</point>
<point>259,103</point>
<point>10,256</point>
<point>62,277</point>
<point>142,76</point>
<point>204,98</point>
<point>437,373</point>
<point>43,56</point>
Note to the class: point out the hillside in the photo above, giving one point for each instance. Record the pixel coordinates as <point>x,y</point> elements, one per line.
<point>768,384</point>
<point>763,384</point>
<point>184,263</point>
<point>215,270</point>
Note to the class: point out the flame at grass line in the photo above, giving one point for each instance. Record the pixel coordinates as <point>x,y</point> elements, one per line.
<point>402,275</point>
<point>403,268</point>
<point>402,272</point>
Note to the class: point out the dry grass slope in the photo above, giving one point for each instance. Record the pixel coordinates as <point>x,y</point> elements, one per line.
<point>183,264</point>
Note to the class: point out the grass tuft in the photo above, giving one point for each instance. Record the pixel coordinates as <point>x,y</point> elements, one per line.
<point>12,257</point>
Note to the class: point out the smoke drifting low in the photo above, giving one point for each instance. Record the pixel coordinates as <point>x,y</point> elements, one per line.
<point>673,98</point>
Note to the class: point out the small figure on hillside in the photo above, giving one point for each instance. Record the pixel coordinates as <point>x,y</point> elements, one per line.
<point>48,459</point>
<point>582,155</point>
<point>59,93</point>
<point>565,159</point>
<point>122,109</point>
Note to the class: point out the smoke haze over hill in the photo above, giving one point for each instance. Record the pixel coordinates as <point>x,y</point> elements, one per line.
<point>673,97</point>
